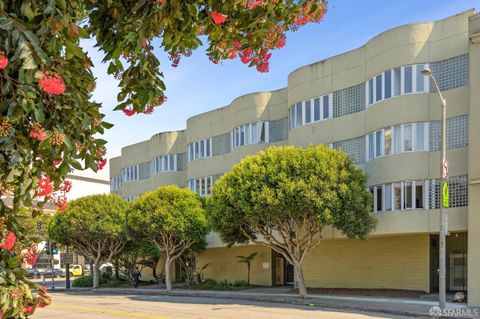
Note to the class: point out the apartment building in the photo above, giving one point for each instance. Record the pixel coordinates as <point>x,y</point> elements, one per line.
<point>374,104</point>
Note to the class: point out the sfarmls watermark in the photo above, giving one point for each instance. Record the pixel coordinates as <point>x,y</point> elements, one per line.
<point>437,312</point>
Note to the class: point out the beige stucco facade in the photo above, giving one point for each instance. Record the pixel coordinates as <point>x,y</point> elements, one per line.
<point>398,254</point>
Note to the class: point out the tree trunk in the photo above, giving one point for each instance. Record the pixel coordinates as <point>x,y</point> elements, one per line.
<point>154,272</point>
<point>248,275</point>
<point>96,275</point>
<point>168,277</point>
<point>302,289</point>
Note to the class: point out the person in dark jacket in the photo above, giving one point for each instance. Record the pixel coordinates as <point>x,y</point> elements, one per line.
<point>136,277</point>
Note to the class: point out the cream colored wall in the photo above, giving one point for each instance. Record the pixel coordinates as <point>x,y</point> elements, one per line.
<point>474,169</point>
<point>224,264</point>
<point>400,262</point>
<point>147,273</point>
<point>409,44</point>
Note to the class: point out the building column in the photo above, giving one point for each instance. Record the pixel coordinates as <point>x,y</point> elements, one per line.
<point>474,163</point>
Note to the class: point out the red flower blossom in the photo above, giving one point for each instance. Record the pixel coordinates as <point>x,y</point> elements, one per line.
<point>43,289</point>
<point>30,256</point>
<point>281,42</point>
<point>52,83</point>
<point>57,162</point>
<point>101,164</point>
<point>28,310</point>
<point>263,67</point>
<point>61,204</point>
<point>66,187</point>
<point>252,4</point>
<point>128,112</point>
<point>37,132</point>
<point>45,187</point>
<point>3,60</point>
<point>218,17</point>
<point>10,241</point>
<point>246,56</point>
<point>161,1</point>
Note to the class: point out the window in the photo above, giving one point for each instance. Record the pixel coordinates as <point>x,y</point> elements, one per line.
<point>378,88</point>
<point>202,186</point>
<point>388,197</point>
<point>421,79</point>
<point>397,81</point>
<point>407,193</point>
<point>387,137</point>
<point>407,80</point>
<point>326,107</point>
<point>419,194</point>
<point>308,111</point>
<point>397,136</point>
<point>397,196</point>
<point>388,84</point>
<point>370,91</point>
<point>316,109</point>
<point>407,138</point>
<point>370,146</point>
<point>379,198</point>
<point>378,143</point>
<point>298,114</point>
<point>420,137</point>
<point>200,149</point>
<point>254,133</point>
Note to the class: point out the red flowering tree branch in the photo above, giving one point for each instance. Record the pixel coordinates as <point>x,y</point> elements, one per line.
<point>49,123</point>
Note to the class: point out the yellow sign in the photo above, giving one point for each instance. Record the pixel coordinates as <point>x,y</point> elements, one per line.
<point>445,194</point>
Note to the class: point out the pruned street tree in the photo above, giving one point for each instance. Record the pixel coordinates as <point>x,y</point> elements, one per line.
<point>284,196</point>
<point>95,227</point>
<point>172,218</point>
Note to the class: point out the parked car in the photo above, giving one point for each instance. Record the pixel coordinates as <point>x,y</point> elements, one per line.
<point>33,273</point>
<point>76,270</point>
<point>56,273</point>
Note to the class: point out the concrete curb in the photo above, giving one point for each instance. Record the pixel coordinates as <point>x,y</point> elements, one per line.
<point>318,302</point>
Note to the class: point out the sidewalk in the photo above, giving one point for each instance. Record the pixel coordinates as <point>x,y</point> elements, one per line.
<point>394,306</point>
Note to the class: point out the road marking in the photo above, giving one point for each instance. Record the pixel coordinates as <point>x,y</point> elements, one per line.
<point>110,312</point>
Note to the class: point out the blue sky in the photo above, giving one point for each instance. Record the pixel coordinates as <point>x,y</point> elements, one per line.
<point>197,85</point>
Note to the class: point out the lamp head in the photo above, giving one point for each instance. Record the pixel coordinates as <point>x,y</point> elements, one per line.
<point>426,72</point>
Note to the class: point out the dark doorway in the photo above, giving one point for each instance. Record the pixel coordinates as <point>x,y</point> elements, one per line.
<point>289,274</point>
<point>457,248</point>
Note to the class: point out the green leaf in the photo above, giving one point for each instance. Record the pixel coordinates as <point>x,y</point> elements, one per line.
<point>26,9</point>
<point>38,112</point>
<point>132,37</point>
<point>5,23</point>
<point>73,50</point>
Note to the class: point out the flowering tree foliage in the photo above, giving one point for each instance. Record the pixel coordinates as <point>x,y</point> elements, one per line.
<point>48,122</point>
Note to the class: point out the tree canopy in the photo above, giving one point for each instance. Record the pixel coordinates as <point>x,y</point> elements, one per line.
<point>172,218</point>
<point>284,196</point>
<point>94,226</point>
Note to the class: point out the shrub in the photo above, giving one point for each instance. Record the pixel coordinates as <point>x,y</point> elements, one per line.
<point>87,281</point>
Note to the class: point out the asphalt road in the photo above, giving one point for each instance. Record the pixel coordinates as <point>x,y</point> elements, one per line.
<point>104,306</point>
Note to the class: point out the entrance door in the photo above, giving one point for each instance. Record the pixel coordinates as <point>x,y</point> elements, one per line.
<point>279,271</point>
<point>458,272</point>
<point>290,274</point>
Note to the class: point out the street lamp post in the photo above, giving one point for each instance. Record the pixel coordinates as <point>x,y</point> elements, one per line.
<point>443,213</point>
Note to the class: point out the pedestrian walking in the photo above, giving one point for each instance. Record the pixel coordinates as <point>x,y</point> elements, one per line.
<point>136,277</point>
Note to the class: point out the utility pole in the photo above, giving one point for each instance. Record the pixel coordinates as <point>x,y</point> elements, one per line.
<point>442,284</point>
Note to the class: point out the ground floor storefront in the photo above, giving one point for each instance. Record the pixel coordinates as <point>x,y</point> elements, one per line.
<point>407,262</point>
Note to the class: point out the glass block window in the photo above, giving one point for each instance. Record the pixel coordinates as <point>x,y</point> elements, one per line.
<point>457,190</point>
<point>349,100</point>
<point>278,130</point>
<point>221,144</point>
<point>450,73</point>
<point>145,170</point>
<point>182,161</point>
<point>457,133</point>
<point>354,147</point>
